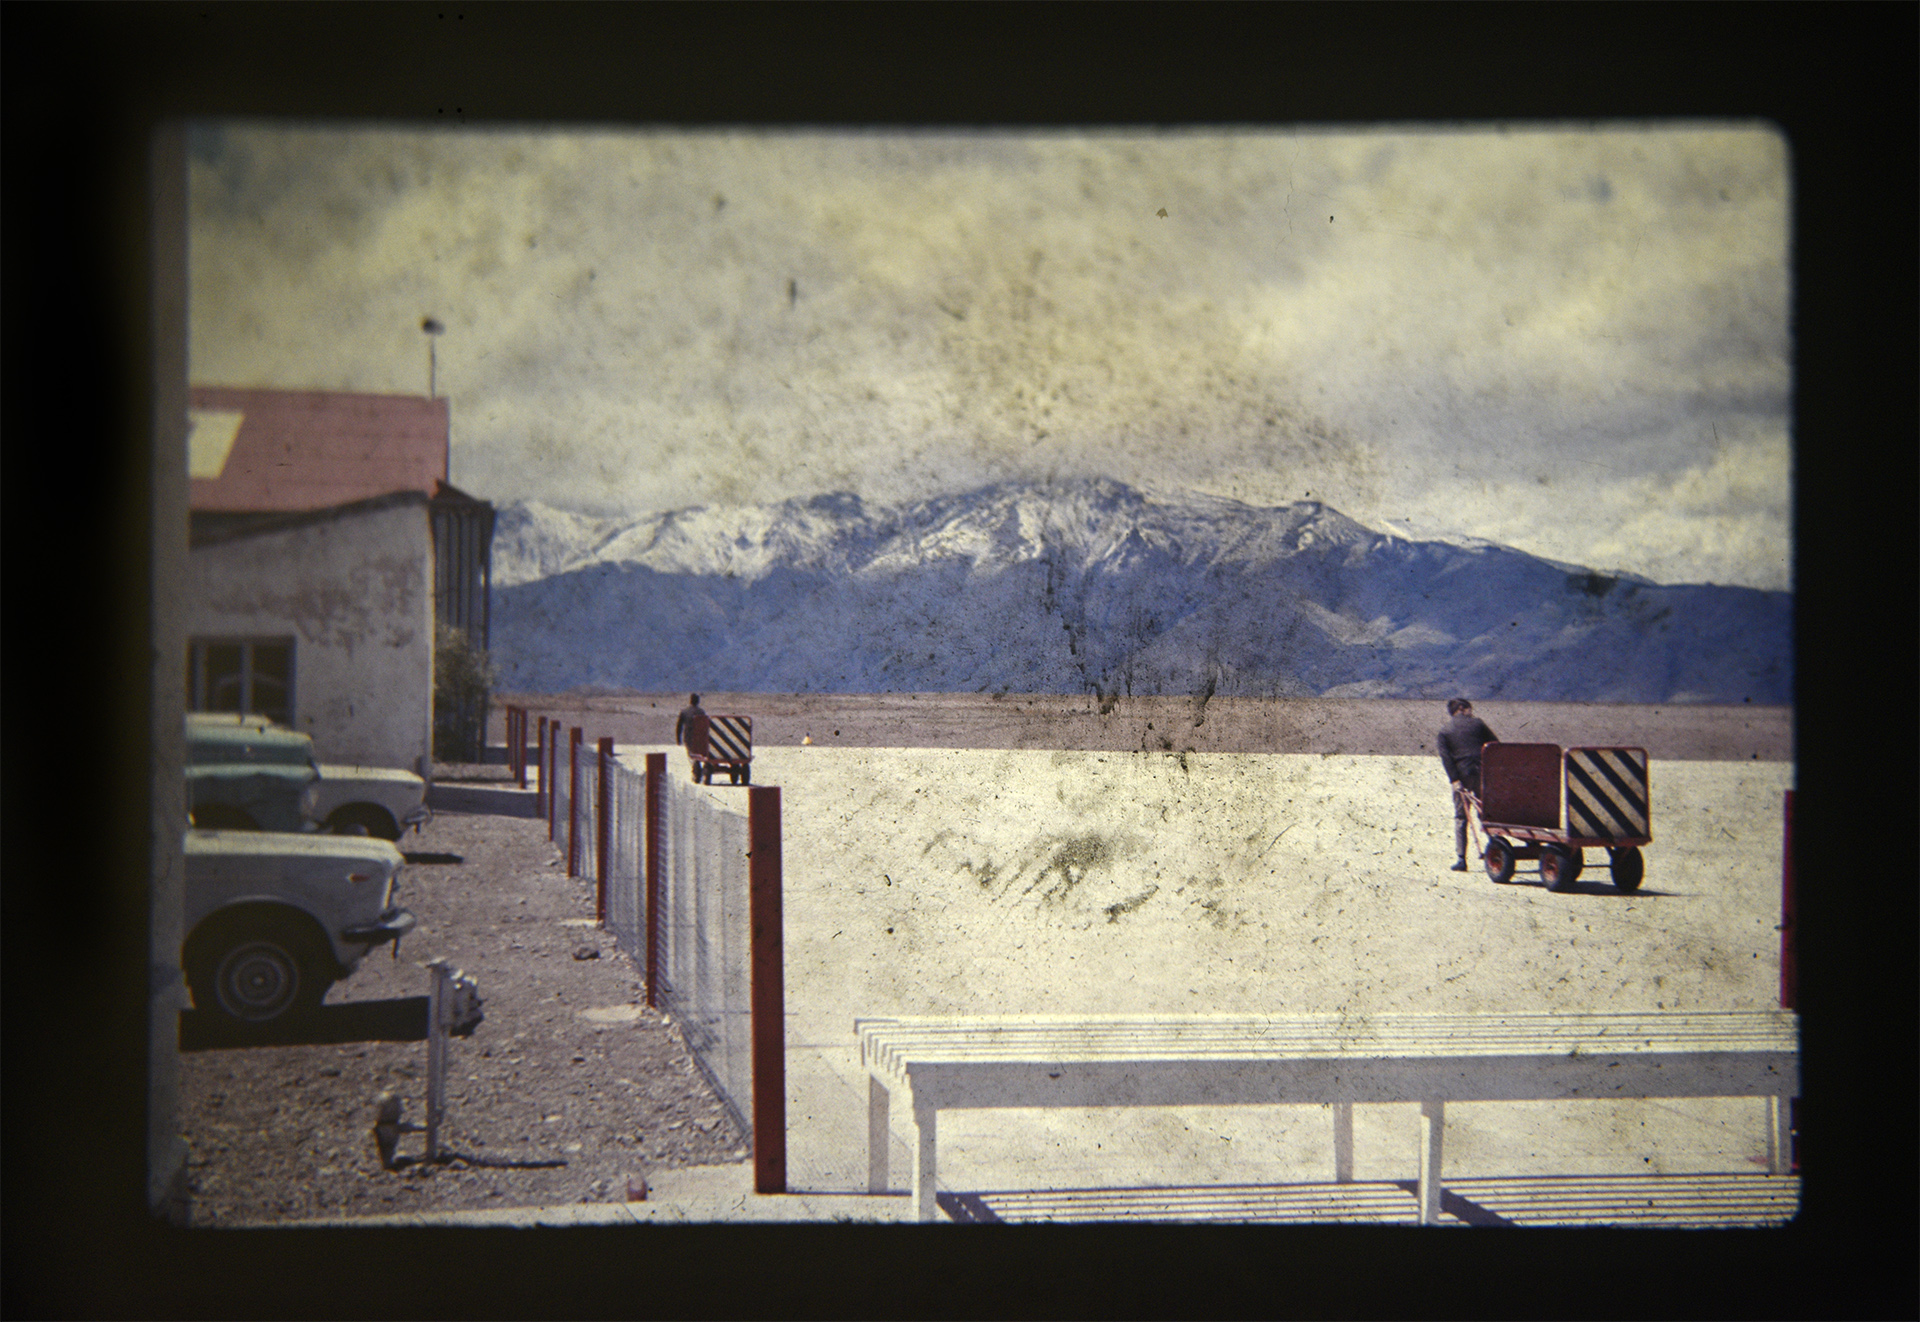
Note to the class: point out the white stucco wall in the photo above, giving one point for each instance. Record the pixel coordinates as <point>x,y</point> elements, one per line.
<point>356,594</point>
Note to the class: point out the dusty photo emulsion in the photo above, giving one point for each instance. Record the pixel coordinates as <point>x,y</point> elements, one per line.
<point>1098,557</point>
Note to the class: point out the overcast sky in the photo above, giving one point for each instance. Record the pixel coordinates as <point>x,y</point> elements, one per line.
<point>1573,342</point>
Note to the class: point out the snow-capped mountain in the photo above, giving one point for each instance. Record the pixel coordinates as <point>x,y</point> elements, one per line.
<point>1092,585</point>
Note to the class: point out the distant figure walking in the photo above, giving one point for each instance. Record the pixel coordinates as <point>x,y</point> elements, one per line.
<point>1461,739</point>
<point>691,730</point>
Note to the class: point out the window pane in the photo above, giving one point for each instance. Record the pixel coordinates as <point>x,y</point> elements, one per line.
<point>273,681</point>
<point>224,691</point>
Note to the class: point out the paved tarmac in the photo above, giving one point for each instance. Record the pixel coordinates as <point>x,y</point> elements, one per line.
<point>926,881</point>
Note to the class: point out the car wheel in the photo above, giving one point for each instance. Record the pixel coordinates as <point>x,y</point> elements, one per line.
<point>258,971</point>
<point>223,817</point>
<point>1499,860</point>
<point>1628,868</point>
<point>1556,868</point>
<point>364,819</point>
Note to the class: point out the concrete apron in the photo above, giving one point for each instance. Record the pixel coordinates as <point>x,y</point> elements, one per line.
<point>934,881</point>
<point>923,881</point>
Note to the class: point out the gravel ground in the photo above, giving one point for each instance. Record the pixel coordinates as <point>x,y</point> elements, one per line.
<point>568,1067</point>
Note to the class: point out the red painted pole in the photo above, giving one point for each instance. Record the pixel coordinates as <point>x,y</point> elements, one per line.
<point>1789,972</point>
<point>603,828</point>
<point>656,866</point>
<point>1789,969</point>
<point>766,958</point>
<point>574,735</point>
<point>520,746</point>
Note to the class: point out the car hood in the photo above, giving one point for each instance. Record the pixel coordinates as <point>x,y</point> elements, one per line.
<point>278,844</point>
<point>342,771</point>
<point>241,770</point>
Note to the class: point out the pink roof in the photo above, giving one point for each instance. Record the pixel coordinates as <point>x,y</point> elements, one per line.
<point>309,449</point>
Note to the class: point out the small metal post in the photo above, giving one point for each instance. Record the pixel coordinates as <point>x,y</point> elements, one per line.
<point>436,1054</point>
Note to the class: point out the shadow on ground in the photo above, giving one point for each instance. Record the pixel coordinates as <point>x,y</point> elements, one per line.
<point>401,1019</point>
<point>498,801</point>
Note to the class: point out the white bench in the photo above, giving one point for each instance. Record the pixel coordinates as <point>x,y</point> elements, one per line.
<point>959,1063</point>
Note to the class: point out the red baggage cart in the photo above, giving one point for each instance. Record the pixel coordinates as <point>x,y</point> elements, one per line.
<point>726,744</point>
<point>1523,789</point>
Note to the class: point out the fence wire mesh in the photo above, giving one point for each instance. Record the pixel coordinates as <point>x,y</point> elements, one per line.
<point>627,863</point>
<point>705,973</point>
<point>583,815</point>
<point>561,805</point>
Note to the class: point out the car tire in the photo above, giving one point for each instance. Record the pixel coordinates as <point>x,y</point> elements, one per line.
<point>259,969</point>
<point>222,817</point>
<point>364,819</point>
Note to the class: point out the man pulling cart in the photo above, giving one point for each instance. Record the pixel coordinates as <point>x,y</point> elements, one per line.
<point>715,743</point>
<point>1517,792</point>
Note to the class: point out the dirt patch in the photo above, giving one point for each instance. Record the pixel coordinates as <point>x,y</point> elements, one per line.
<point>569,1065</point>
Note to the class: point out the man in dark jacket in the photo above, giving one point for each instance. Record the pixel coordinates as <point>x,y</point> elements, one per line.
<point>691,729</point>
<point>1461,740</point>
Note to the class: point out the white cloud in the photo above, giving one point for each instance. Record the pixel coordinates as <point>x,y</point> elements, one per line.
<point>639,321</point>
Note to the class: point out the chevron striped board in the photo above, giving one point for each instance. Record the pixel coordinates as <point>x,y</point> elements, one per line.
<point>730,738</point>
<point>1607,794</point>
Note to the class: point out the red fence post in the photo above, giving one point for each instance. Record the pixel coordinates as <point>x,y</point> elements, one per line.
<point>768,995</point>
<point>574,735</point>
<point>603,828</point>
<point>656,866</point>
<point>1789,974</point>
<point>1789,969</point>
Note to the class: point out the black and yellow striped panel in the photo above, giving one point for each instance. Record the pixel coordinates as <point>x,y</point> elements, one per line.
<point>730,738</point>
<point>1607,793</point>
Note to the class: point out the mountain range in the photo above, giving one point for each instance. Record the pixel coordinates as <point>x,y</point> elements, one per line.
<point>1094,586</point>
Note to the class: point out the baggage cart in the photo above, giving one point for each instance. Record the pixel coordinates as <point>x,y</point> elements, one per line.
<point>1603,791</point>
<point>726,745</point>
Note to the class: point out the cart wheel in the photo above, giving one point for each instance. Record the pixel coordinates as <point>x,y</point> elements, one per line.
<point>1556,869</point>
<point>1579,860</point>
<point>1499,860</point>
<point>733,776</point>
<point>746,775</point>
<point>1628,868</point>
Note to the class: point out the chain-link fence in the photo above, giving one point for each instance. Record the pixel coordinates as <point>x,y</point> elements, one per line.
<point>626,893</point>
<point>705,975</point>
<point>700,943</point>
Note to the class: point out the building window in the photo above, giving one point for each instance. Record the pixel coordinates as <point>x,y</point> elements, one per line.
<point>249,675</point>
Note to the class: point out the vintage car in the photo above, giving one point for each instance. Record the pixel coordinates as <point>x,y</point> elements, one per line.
<point>273,919</point>
<point>262,781</point>
<point>348,800</point>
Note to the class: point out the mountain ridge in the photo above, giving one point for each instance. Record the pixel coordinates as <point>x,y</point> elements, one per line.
<point>1092,585</point>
